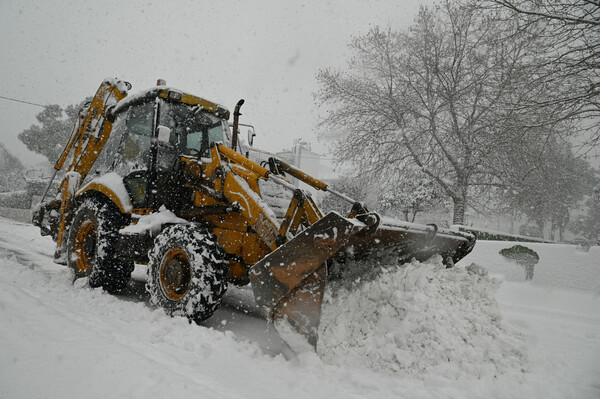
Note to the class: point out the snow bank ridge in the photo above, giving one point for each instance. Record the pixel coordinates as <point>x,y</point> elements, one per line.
<point>418,319</point>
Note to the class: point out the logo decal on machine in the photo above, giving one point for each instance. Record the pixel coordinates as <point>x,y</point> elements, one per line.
<point>265,229</point>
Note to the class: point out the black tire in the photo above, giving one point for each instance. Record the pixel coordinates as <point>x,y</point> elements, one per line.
<point>186,272</point>
<point>91,244</point>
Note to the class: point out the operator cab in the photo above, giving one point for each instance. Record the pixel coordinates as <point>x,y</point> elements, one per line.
<point>187,130</point>
<point>151,131</point>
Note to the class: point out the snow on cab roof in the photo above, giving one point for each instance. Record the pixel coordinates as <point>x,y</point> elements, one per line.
<point>172,94</point>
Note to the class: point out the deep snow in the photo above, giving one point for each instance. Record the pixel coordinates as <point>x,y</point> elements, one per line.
<point>60,340</point>
<point>419,319</point>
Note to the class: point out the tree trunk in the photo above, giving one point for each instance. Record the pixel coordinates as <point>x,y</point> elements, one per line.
<point>459,211</point>
<point>414,216</point>
<point>541,225</point>
<point>561,233</point>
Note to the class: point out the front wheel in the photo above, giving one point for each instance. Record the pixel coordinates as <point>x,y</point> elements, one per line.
<point>186,272</point>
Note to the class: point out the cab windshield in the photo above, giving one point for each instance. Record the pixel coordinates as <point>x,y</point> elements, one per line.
<point>193,130</point>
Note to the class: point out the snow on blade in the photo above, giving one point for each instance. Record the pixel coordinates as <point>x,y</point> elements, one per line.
<point>418,319</point>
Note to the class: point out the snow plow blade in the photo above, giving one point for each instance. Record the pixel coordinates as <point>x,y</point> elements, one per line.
<point>405,241</point>
<point>288,284</point>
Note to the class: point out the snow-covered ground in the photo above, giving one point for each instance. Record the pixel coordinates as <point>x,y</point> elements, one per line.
<point>434,334</point>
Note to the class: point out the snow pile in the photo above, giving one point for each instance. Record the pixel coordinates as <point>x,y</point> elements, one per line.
<point>418,319</point>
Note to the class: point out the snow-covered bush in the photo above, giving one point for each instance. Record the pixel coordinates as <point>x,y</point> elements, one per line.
<point>524,256</point>
<point>520,254</point>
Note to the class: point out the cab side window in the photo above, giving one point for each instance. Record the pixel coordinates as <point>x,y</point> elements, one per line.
<point>134,149</point>
<point>106,159</point>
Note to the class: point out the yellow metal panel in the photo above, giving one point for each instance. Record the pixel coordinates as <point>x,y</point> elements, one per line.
<point>238,273</point>
<point>250,177</point>
<point>201,199</point>
<point>245,162</point>
<point>251,210</point>
<point>231,241</point>
<point>192,100</point>
<point>253,249</point>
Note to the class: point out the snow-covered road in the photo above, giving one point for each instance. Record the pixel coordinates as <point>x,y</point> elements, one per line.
<point>59,340</point>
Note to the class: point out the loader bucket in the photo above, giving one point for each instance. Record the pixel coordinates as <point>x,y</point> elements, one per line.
<point>289,282</point>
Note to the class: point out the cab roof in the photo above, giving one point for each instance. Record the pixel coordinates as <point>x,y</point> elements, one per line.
<point>170,94</point>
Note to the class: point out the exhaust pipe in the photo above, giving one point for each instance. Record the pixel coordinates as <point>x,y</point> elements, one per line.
<point>236,119</point>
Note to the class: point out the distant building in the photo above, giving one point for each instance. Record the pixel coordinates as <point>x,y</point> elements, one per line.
<point>303,158</point>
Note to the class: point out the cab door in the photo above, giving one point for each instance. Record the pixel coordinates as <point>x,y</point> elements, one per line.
<point>133,161</point>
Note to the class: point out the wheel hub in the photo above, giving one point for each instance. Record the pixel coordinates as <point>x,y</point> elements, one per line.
<point>175,274</point>
<point>85,246</point>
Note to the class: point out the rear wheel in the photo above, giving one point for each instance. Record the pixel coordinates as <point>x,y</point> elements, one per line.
<point>186,272</point>
<point>91,244</point>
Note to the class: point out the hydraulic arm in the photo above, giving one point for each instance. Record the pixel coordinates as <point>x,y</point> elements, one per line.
<point>92,129</point>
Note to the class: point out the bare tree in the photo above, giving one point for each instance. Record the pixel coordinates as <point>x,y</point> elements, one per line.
<point>11,178</point>
<point>440,97</point>
<point>588,225</point>
<point>353,187</point>
<point>570,30</point>
<point>548,184</point>
<point>412,193</point>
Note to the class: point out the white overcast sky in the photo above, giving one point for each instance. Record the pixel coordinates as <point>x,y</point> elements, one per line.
<point>267,52</point>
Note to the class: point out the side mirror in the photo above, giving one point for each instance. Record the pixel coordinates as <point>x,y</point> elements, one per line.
<point>251,135</point>
<point>164,136</point>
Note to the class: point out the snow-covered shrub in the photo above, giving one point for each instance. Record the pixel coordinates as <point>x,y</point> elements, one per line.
<point>524,256</point>
<point>521,255</point>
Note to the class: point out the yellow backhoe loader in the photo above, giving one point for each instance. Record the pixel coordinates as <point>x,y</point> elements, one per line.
<point>155,178</point>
